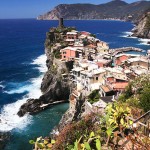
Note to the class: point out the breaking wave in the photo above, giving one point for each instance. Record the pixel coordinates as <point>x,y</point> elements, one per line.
<point>8,118</point>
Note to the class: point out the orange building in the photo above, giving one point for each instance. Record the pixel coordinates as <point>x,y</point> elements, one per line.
<point>119,86</point>
<point>120,59</point>
<point>69,53</point>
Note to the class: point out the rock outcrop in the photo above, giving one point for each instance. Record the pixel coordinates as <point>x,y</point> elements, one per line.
<point>71,116</point>
<point>142,30</point>
<point>116,9</point>
<point>4,138</point>
<point>55,87</point>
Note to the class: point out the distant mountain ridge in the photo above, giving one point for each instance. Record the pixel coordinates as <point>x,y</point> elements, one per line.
<point>116,9</point>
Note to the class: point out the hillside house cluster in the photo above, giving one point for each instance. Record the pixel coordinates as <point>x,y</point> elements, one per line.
<point>99,74</point>
<point>81,43</point>
<point>96,67</point>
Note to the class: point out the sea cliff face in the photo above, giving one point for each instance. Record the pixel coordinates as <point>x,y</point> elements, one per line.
<point>115,9</point>
<point>55,87</point>
<point>142,30</point>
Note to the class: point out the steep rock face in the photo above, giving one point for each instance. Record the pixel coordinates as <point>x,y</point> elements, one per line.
<point>70,116</point>
<point>55,88</point>
<point>142,30</point>
<point>116,9</point>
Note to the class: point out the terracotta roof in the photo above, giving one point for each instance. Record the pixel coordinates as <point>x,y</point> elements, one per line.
<point>110,79</point>
<point>85,33</point>
<point>120,85</point>
<point>106,88</point>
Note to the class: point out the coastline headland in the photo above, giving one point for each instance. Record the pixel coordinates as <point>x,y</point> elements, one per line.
<point>80,65</point>
<point>53,85</point>
<point>70,53</point>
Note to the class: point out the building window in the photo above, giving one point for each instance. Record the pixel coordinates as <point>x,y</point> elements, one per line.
<point>78,74</point>
<point>64,52</point>
<point>64,56</point>
<point>96,78</point>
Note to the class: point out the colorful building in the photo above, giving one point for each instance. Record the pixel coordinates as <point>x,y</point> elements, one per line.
<point>70,53</point>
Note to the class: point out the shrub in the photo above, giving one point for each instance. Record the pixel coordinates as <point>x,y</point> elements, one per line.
<point>74,131</point>
<point>57,54</point>
<point>94,97</point>
<point>145,99</point>
<point>137,94</point>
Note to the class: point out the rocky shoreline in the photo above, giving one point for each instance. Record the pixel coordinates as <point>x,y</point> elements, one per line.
<point>53,91</point>
<point>4,137</point>
<point>54,87</point>
<point>142,28</point>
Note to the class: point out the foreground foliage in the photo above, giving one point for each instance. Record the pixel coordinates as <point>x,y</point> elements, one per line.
<point>137,94</point>
<point>94,132</point>
<point>109,130</point>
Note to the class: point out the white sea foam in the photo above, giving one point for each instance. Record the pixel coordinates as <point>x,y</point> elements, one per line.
<point>8,117</point>
<point>41,62</point>
<point>143,41</point>
<point>128,35</point>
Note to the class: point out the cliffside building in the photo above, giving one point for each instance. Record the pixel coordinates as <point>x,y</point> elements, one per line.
<point>70,53</point>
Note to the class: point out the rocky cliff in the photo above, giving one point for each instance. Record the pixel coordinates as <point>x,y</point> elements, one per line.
<point>116,9</point>
<point>55,87</point>
<point>142,30</point>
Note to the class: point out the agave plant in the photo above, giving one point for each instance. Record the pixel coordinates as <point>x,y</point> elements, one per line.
<point>115,120</point>
<point>44,144</point>
<point>91,141</point>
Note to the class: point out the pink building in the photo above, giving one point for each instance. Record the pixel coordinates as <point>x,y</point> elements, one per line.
<point>69,53</point>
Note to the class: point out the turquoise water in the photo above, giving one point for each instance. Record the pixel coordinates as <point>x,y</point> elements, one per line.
<point>41,125</point>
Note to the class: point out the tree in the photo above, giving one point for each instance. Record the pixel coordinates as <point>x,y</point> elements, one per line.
<point>145,99</point>
<point>137,94</point>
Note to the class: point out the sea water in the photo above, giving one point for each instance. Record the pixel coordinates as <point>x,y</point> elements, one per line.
<point>22,66</point>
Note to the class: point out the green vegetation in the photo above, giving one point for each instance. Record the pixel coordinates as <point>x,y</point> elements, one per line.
<point>57,54</point>
<point>54,69</point>
<point>85,144</point>
<point>77,132</point>
<point>137,94</point>
<point>93,35</point>
<point>41,143</point>
<point>115,121</point>
<point>95,132</point>
<point>85,42</point>
<point>94,97</point>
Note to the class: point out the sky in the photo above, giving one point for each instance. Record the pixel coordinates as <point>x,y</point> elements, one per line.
<point>33,8</point>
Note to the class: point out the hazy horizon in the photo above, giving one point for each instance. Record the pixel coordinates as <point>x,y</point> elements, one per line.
<point>31,8</point>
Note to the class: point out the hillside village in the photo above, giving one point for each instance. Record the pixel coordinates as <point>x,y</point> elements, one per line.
<point>108,92</point>
<point>97,67</point>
